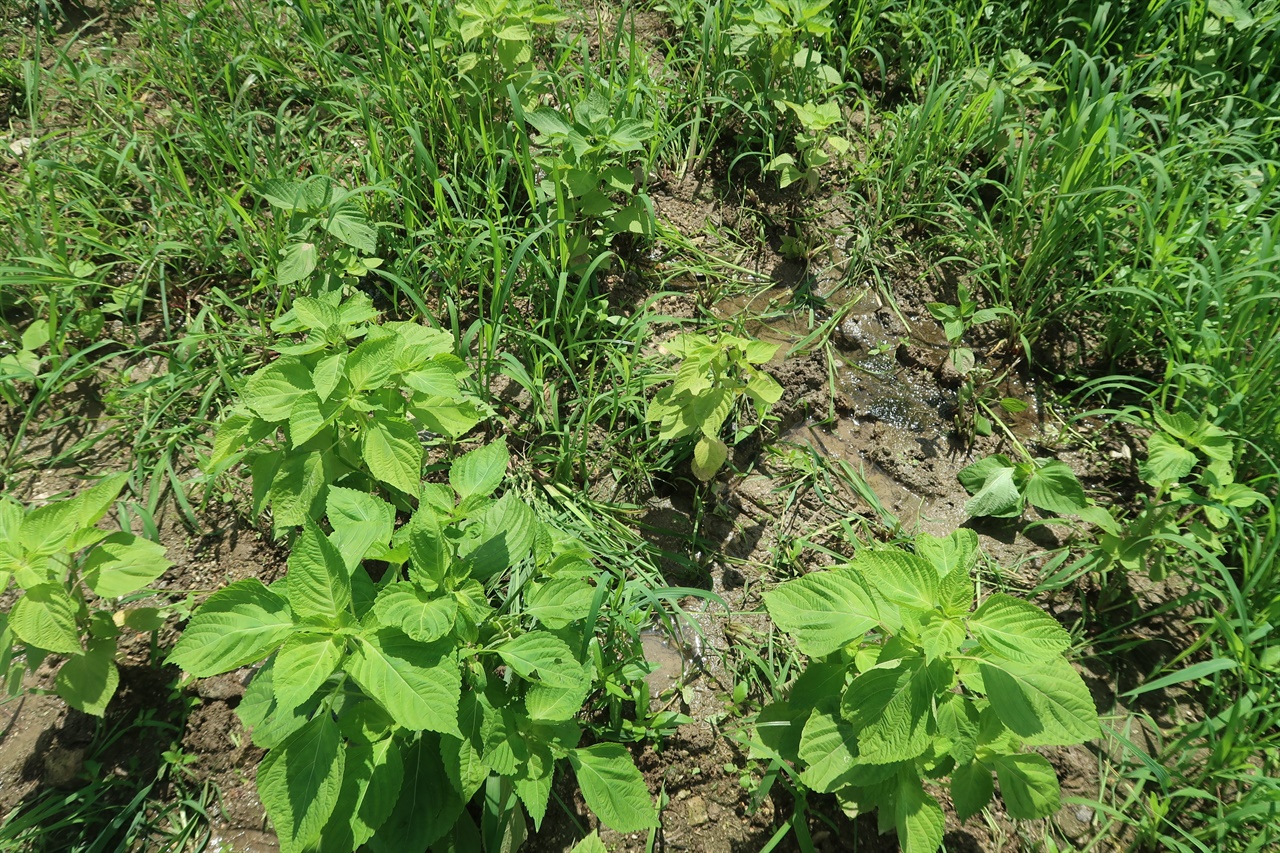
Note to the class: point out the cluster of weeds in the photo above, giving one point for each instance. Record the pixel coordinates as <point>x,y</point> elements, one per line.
<point>325,258</point>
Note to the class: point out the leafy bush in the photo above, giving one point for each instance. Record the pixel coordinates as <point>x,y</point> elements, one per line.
<point>69,569</point>
<point>318,211</point>
<point>343,407</point>
<point>586,158</point>
<point>389,704</point>
<point>908,683</point>
<point>713,377</point>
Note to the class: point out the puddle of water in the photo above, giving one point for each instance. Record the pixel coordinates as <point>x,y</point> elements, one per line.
<point>677,658</point>
<point>781,316</point>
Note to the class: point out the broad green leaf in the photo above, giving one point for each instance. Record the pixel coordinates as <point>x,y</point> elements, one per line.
<point>303,196</point>
<point>87,681</point>
<point>503,748</point>
<point>303,663</point>
<point>427,807</point>
<point>239,624</point>
<point>308,416</point>
<point>763,390</point>
<point>760,352</point>
<point>11,513</point>
<point>480,471</point>
<point>350,225</point>
<point>296,487</point>
<point>949,553</point>
<point>413,611</point>
<point>299,783</point>
<point>544,657</point>
<point>559,602</point>
<point>533,786</point>
<point>590,844</point>
<point>371,363</point>
<point>555,704</point>
<point>824,611</point>
<point>956,592</point>
<point>1028,786</point>
<point>123,563</point>
<point>51,528</point>
<point>371,778</point>
<point>393,452</point>
<point>445,415</point>
<point>1053,487</point>
<point>891,709</point>
<point>548,122</point>
<point>998,496</point>
<point>691,376</point>
<point>297,261</point>
<point>1017,629</point>
<point>613,787</point>
<point>820,685</point>
<point>462,762</point>
<point>1179,424</point>
<point>360,521</point>
<point>314,313</point>
<point>971,789</point>
<point>417,684</point>
<point>434,380</point>
<point>429,553</point>
<point>917,816</point>
<point>36,334</point>
<point>902,578</point>
<point>45,617</point>
<point>710,410</point>
<point>319,582</point>
<point>957,722</point>
<point>940,636</point>
<point>508,531</point>
<point>274,389</point>
<point>1044,702</point>
<point>259,712</point>
<point>829,748</point>
<point>329,372</point>
<point>416,345</point>
<point>1167,460</point>
<point>708,455</point>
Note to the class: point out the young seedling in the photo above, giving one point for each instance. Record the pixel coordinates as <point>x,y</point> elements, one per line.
<point>315,208</point>
<point>70,573</point>
<point>713,378</point>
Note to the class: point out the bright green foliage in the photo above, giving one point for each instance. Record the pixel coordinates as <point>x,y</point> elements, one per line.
<point>958,319</point>
<point>25,364</point>
<point>907,683</point>
<point>343,406</point>
<point>778,49</point>
<point>316,208</point>
<point>714,376</point>
<point>1002,488</point>
<point>1191,465</point>
<point>587,157</point>
<point>57,555</point>
<point>387,705</point>
<point>497,41</point>
<point>976,396</point>
<point>815,144</point>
